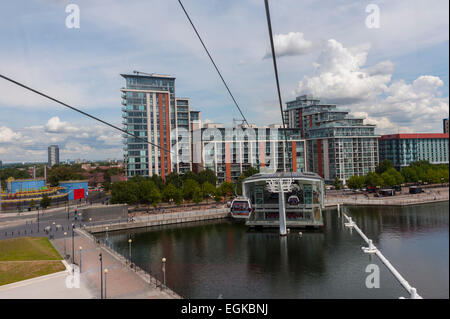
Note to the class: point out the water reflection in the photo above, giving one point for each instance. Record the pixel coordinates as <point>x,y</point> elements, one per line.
<point>222,257</point>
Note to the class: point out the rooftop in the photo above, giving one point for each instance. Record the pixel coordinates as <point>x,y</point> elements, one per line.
<point>414,136</point>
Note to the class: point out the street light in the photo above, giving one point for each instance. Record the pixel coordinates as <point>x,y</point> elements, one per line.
<point>54,225</point>
<point>101,276</point>
<point>38,220</point>
<point>164,270</point>
<point>73,245</point>
<point>65,252</point>
<point>81,248</point>
<point>129,250</point>
<point>106,273</point>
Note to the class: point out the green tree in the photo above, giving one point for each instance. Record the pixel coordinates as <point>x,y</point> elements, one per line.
<point>399,179</point>
<point>189,188</point>
<point>174,179</point>
<point>149,193</point>
<point>63,173</point>
<point>388,179</point>
<point>409,174</point>
<point>125,193</point>
<point>208,190</point>
<point>374,180</point>
<point>197,195</point>
<point>218,196</point>
<point>158,181</point>
<point>45,201</point>
<point>226,188</point>
<point>383,166</point>
<point>32,204</point>
<point>337,183</point>
<point>172,193</point>
<point>206,175</point>
<point>189,175</point>
<point>356,182</point>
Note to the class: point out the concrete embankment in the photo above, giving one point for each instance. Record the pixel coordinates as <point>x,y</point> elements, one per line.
<point>162,219</point>
<point>387,201</point>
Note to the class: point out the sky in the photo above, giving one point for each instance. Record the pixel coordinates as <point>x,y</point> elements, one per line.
<point>396,75</point>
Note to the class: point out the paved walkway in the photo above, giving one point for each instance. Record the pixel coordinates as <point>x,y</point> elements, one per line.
<point>51,286</point>
<point>122,282</point>
<point>430,196</point>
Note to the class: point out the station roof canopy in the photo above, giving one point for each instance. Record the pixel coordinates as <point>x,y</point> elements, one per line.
<point>283,175</point>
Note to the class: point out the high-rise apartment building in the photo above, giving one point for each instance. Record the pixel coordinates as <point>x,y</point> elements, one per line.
<point>53,155</point>
<point>151,111</point>
<point>337,144</point>
<point>445,125</point>
<point>403,149</point>
<point>230,151</point>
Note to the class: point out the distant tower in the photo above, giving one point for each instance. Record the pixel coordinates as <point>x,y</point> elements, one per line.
<point>53,155</point>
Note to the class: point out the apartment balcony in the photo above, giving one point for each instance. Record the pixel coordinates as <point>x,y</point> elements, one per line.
<point>124,95</point>
<point>124,102</point>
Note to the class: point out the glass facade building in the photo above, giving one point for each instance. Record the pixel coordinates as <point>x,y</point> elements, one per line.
<point>230,151</point>
<point>150,111</point>
<point>337,144</point>
<point>403,149</point>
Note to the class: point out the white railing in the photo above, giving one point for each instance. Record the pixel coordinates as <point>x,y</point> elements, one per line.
<point>371,249</point>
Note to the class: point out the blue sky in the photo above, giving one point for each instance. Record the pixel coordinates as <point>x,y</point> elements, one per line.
<point>396,75</point>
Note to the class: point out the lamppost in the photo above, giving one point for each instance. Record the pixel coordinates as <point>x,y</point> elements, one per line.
<point>54,225</point>
<point>129,249</point>
<point>73,245</point>
<point>65,252</point>
<point>101,276</point>
<point>38,220</point>
<point>81,248</point>
<point>164,270</point>
<point>106,273</point>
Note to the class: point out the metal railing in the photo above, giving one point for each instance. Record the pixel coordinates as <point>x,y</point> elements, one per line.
<point>144,275</point>
<point>371,249</point>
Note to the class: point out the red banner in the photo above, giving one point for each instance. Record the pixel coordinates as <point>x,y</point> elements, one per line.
<point>78,193</point>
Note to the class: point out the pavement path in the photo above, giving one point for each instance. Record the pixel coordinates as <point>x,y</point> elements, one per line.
<point>51,286</point>
<point>122,282</point>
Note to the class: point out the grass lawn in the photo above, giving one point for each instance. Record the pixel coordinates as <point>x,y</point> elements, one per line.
<point>28,248</point>
<point>27,257</point>
<point>12,271</point>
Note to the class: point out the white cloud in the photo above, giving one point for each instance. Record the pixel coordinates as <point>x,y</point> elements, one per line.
<point>55,125</point>
<point>341,76</point>
<point>75,141</point>
<point>8,135</point>
<point>292,43</point>
<point>415,107</point>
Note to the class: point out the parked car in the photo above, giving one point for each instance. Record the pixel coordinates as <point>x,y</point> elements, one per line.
<point>415,190</point>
